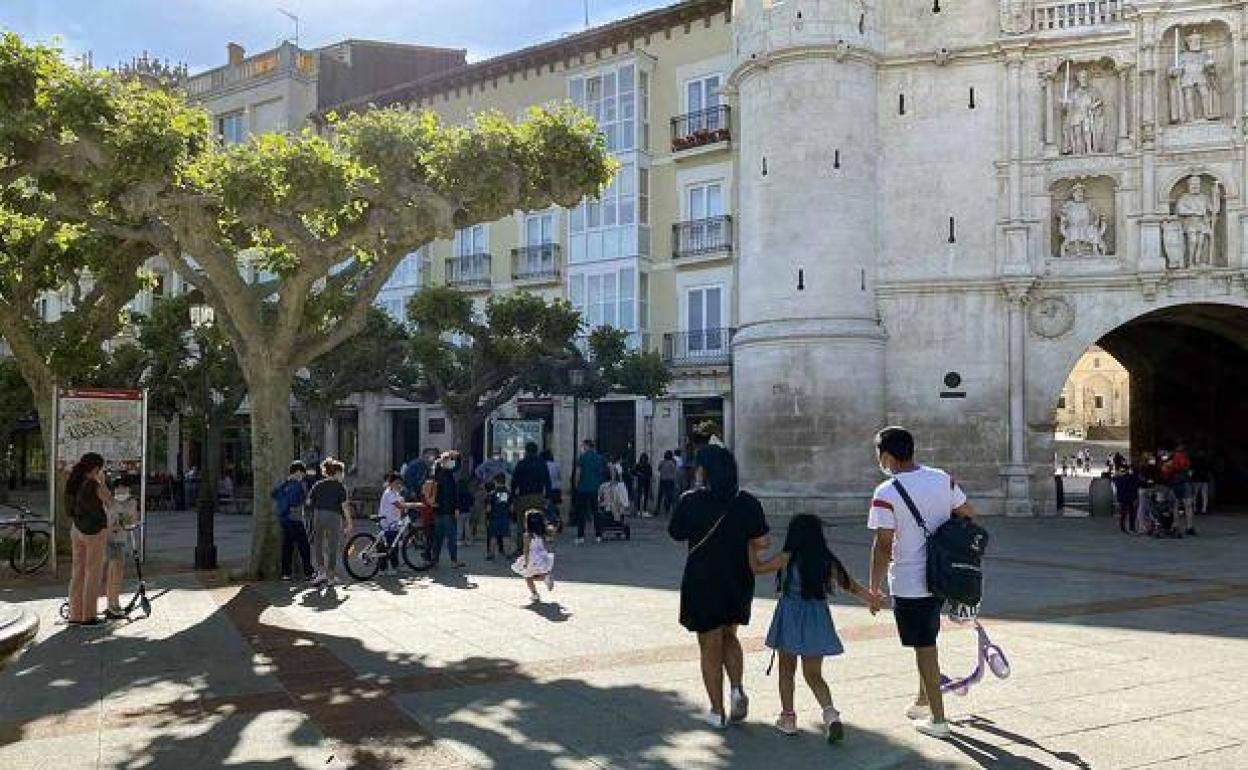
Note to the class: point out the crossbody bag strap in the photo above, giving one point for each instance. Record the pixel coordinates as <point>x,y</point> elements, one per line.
<point>707,536</point>
<point>905,497</point>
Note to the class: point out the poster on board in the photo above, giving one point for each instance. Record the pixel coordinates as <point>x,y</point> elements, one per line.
<point>509,437</point>
<point>111,422</point>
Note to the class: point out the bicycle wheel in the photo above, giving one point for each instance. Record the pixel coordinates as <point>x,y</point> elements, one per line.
<point>38,547</point>
<point>414,551</point>
<point>360,557</point>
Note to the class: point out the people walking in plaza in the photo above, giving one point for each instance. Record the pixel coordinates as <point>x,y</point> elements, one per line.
<point>86,499</point>
<point>802,625</point>
<point>591,472</point>
<point>498,501</point>
<point>331,520</point>
<point>288,500</point>
<point>911,492</point>
<point>530,481</point>
<point>1202,479</point>
<point>644,473</point>
<point>446,506</point>
<point>1127,492</point>
<point>555,499</point>
<point>668,472</point>
<point>725,530</point>
<point>535,562</point>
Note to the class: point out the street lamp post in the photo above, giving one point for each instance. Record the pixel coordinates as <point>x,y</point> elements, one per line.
<point>202,317</point>
<point>576,378</point>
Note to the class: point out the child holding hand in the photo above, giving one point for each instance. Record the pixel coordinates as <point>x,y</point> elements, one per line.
<point>802,625</point>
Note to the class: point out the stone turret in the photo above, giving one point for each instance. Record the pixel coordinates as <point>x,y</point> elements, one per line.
<point>808,361</point>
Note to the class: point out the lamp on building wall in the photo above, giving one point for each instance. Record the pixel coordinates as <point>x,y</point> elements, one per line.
<point>202,317</point>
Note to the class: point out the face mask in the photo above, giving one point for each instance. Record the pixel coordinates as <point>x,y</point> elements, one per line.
<point>451,465</point>
<point>884,469</point>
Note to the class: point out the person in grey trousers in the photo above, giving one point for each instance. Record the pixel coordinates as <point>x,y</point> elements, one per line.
<point>330,520</point>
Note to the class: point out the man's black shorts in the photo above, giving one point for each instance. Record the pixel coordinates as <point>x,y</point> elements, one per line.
<point>918,620</point>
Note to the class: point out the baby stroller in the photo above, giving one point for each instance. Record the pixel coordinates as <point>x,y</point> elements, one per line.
<point>1162,508</point>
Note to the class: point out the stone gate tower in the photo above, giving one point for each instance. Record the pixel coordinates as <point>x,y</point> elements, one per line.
<point>808,379</point>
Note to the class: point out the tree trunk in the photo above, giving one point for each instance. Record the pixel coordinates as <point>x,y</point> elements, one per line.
<point>272,446</point>
<point>463,426</point>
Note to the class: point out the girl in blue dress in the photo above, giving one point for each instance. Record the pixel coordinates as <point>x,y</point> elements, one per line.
<point>802,626</point>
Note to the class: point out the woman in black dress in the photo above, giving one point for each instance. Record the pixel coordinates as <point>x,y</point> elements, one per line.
<point>726,530</point>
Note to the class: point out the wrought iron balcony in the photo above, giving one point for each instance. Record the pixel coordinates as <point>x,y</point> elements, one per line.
<point>700,237</point>
<point>470,271</point>
<point>541,263</point>
<point>704,347</point>
<point>701,128</point>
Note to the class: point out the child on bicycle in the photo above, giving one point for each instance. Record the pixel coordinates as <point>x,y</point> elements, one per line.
<point>802,625</point>
<point>498,506</point>
<point>535,562</point>
<point>391,510</point>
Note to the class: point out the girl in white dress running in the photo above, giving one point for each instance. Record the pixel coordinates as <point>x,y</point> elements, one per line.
<point>536,562</point>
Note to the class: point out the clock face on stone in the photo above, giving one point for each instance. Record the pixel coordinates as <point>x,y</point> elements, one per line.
<point>1051,316</point>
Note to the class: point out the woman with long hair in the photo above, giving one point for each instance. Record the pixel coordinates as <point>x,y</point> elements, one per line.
<point>86,500</point>
<point>726,531</point>
<point>802,625</point>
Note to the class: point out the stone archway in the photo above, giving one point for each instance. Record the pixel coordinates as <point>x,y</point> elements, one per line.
<point>1188,363</point>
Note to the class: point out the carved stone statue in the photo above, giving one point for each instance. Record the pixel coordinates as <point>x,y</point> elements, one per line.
<point>1082,227</point>
<point>1194,90</point>
<point>1198,213</point>
<point>1083,118</point>
<point>1172,242</point>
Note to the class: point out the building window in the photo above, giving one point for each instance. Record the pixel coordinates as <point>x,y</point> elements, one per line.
<point>612,98</point>
<point>705,201</point>
<point>539,229</point>
<point>609,298</point>
<point>410,271</point>
<point>437,425</point>
<point>1100,402</point>
<point>701,99</point>
<point>615,225</point>
<point>1061,402</point>
<point>1096,363</point>
<point>231,127</point>
<point>704,319</point>
<point>472,240</point>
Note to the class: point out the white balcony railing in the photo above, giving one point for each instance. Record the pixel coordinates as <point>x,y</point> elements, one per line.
<point>1051,15</point>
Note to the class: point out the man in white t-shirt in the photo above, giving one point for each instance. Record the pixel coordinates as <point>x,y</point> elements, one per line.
<point>901,548</point>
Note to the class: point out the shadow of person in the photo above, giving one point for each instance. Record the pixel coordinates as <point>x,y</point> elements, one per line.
<point>323,599</point>
<point>452,579</point>
<point>986,725</point>
<point>552,611</point>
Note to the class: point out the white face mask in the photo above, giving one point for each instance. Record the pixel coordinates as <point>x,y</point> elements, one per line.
<point>451,465</point>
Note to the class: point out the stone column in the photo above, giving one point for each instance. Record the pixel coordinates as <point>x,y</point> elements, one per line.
<point>1014,102</point>
<point>1016,474</point>
<point>1046,122</point>
<point>1124,90</point>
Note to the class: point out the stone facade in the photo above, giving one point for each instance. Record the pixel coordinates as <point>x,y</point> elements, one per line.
<point>976,194</point>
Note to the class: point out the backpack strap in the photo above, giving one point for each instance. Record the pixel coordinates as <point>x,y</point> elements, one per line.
<point>905,497</point>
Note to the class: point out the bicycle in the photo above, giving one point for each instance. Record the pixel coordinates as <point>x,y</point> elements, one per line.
<point>29,548</point>
<point>365,551</point>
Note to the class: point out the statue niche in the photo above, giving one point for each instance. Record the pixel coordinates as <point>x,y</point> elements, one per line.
<point>1085,107</point>
<point>1084,219</point>
<point>1193,83</point>
<point>1083,115</point>
<point>1194,233</point>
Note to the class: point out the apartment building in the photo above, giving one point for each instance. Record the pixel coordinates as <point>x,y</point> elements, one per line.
<point>653,257</point>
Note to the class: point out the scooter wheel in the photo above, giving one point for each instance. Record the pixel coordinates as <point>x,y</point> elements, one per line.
<point>999,665</point>
<point>64,610</point>
<point>146,606</point>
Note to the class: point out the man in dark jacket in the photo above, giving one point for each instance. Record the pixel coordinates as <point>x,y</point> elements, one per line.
<point>447,504</point>
<point>530,481</point>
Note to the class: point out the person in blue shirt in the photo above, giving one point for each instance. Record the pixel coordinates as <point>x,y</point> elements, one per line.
<point>288,499</point>
<point>591,472</point>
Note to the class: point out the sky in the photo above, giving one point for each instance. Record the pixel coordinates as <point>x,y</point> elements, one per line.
<point>195,32</point>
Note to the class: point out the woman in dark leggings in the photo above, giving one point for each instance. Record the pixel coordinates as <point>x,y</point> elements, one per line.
<point>644,474</point>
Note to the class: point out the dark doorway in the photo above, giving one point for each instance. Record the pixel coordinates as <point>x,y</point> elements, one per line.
<point>1189,372</point>
<point>699,410</point>
<point>544,411</point>
<point>617,428</point>
<point>405,436</point>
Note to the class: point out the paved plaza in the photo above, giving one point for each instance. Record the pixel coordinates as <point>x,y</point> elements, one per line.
<point>1126,652</point>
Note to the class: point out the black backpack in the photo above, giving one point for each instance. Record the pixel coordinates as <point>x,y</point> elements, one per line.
<point>954,554</point>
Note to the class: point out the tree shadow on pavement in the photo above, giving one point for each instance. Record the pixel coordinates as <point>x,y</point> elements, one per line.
<point>246,685</point>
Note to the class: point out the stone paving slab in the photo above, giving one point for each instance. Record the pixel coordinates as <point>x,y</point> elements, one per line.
<point>1116,663</point>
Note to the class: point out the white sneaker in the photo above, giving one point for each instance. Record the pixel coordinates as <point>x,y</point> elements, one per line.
<point>933,729</point>
<point>740,706</point>
<point>717,721</point>
<point>915,711</point>
<point>550,581</point>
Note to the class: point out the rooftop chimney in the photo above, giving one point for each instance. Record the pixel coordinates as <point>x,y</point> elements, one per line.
<point>235,53</point>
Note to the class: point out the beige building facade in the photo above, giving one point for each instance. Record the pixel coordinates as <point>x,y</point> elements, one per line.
<point>1096,399</point>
